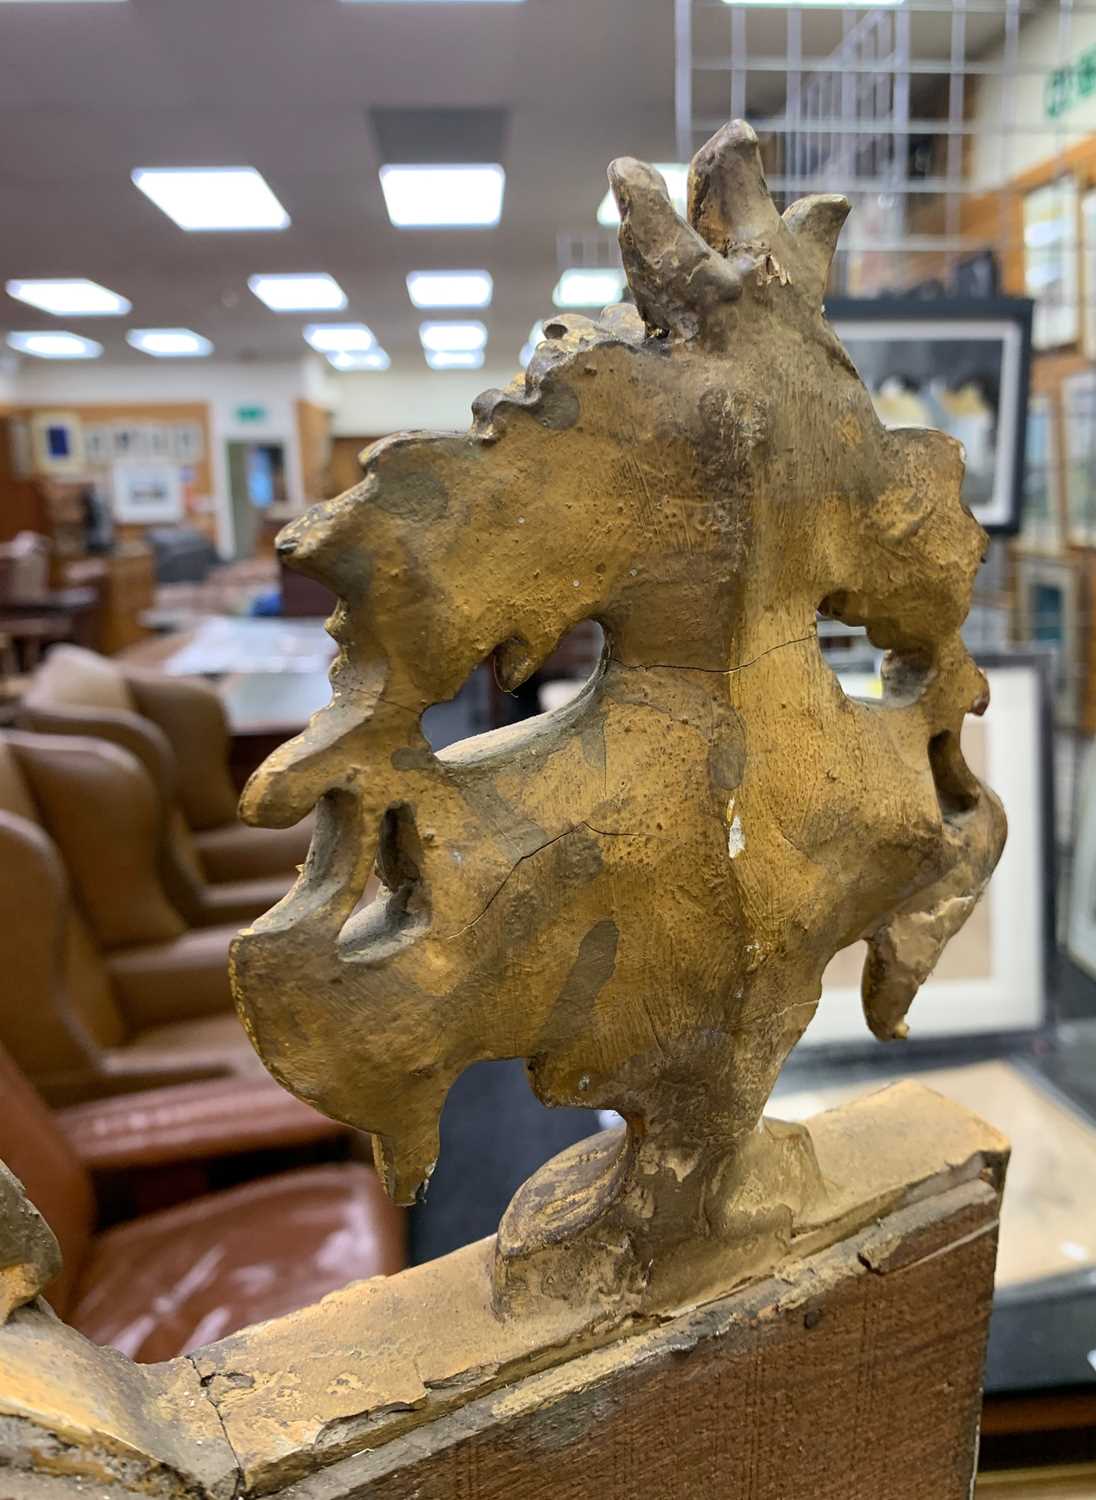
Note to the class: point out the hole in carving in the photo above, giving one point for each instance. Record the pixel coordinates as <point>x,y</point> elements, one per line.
<point>491,1117</point>
<point>394,906</point>
<point>560,677</point>
<point>956,787</point>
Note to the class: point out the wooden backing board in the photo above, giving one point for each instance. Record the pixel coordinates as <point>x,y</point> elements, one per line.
<point>858,1379</point>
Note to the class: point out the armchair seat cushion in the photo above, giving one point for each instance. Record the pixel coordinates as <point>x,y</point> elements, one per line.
<point>216,1040</point>
<point>233,851</point>
<point>172,1281</point>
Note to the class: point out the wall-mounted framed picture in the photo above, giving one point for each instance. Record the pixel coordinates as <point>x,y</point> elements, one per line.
<point>959,364</point>
<point>98,445</point>
<point>1048,603</point>
<point>1041,517</point>
<point>993,977</point>
<point>57,444</point>
<point>1088,271</point>
<point>147,494</point>
<point>1052,263</point>
<point>188,443</point>
<point>1078,394</point>
<point>160,440</point>
<point>128,441</point>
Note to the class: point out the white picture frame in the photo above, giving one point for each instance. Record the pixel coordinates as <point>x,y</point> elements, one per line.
<point>187,443</point>
<point>1088,271</point>
<point>1052,222</point>
<point>147,494</point>
<point>1041,514</point>
<point>1048,617</point>
<point>1079,460</point>
<point>98,445</point>
<point>991,977</point>
<point>1080,933</point>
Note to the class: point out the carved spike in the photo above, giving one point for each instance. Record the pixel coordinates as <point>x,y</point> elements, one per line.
<point>729,200</point>
<point>673,274</point>
<point>816,224</point>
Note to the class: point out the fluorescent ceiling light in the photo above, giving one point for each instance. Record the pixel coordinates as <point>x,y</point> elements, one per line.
<point>676,175</point>
<point>55,345</point>
<point>529,348</point>
<point>461,197</point>
<point>169,343</point>
<point>452,338</point>
<point>450,288</point>
<point>833,4</point>
<point>313,292</point>
<point>340,338</point>
<point>454,359</point>
<point>439,2</point>
<point>588,286</point>
<point>371,359</point>
<point>77,298</point>
<point>212,198</point>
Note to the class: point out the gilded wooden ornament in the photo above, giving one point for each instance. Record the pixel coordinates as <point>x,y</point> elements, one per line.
<point>639,892</point>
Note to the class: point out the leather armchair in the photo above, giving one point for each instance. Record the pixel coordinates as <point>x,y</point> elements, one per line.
<point>105,989</point>
<point>167,1282</point>
<point>215,868</point>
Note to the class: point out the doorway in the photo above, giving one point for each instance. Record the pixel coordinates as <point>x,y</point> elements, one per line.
<point>256,483</point>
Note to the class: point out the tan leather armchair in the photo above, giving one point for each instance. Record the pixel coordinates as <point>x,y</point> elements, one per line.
<point>167,1282</point>
<point>215,868</point>
<point>103,988</point>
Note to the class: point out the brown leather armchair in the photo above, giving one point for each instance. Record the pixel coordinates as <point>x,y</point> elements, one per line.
<point>104,988</point>
<point>215,868</point>
<point>168,1282</point>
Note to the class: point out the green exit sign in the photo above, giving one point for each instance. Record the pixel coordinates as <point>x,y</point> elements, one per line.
<point>246,414</point>
<point>1067,86</point>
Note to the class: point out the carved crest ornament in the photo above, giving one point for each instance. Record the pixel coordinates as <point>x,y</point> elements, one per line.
<point>639,892</point>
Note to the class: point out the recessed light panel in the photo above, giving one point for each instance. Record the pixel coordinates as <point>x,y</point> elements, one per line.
<point>676,175</point>
<point>169,343</point>
<point>77,298</point>
<point>371,359</point>
<point>55,345</point>
<point>450,288</point>
<point>457,197</point>
<point>213,198</point>
<point>340,338</point>
<point>311,292</point>
<point>452,338</point>
<point>588,286</point>
<point>454,359</point>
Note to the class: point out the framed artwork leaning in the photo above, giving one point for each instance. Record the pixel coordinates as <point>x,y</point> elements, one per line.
<point>1051,261</point>
<point>1041,516</point>
<point>993,977</point>
<point>1048,605</point>
<point>1079,466</point>
<point>959,364</point>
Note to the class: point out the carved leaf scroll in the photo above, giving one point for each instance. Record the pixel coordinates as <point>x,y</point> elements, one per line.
<point>637,893</point>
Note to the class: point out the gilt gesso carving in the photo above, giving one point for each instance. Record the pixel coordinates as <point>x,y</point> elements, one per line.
<point>638,893</point>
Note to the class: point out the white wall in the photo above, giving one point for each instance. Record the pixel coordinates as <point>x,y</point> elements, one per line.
<point>370,405</point>
<point>224,386</point>
<point>1043,43</point>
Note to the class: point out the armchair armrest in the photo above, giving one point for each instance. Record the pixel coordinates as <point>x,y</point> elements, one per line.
<point>194,1121</point>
